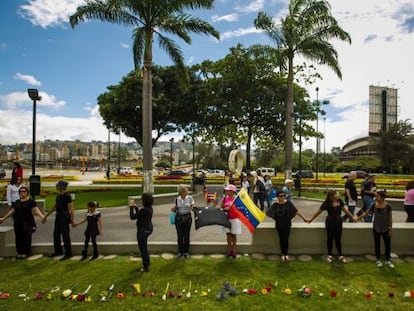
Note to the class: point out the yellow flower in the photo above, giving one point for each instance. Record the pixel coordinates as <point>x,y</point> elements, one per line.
<point>264,291</point>
<point>288,291</point>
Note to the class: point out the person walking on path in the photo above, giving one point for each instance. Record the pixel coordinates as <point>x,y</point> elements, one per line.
<point>351,196</point>
<point>282,211</point>
<point>17,170</point>
<point>333,205</point>
<point>382,227</point>
<point>93,229</point>
<point>287,189</point>
<point>64,217</point>
<point>144,226</point>
<point>183,207</point>
<point>258,189</point>
<point>24,223</point>
<point>12,190</point>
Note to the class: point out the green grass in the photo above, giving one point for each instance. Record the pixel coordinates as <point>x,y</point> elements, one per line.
<point>107,196</point>
<point>351,282</point>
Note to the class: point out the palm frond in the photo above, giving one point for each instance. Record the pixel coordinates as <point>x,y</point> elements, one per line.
<point>103,10</point>
<point>138,46</point>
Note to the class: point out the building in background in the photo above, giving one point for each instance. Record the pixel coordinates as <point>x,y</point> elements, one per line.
<point>383,113</point>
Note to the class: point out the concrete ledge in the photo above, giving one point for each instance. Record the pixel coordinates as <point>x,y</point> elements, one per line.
<point>357,239</point>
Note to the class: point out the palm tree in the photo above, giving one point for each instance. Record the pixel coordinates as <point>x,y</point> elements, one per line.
<point>305,31</point>
<point>149,18</point>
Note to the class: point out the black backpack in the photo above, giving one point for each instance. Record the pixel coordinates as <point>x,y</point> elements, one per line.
<point>260,185</point>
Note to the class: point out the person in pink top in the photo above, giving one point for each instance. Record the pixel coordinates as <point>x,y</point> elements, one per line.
<point>227,203</point>
<point>409,201</point>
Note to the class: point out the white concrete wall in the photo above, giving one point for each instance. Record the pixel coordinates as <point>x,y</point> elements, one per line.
<point>304,239</point>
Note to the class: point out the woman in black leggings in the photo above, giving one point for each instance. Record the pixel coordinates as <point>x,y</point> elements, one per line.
<point>333,223</point>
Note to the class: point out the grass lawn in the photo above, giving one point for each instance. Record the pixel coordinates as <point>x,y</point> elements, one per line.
<point>107,196</point>
<point>359,285</point>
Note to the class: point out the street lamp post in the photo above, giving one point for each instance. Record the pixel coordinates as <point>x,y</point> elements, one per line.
<point>324,146</point>
<point>317,137</point>
<point>34,180</point>
<point>171,151</point>
<point>300,155</point>
<point>108,170</point>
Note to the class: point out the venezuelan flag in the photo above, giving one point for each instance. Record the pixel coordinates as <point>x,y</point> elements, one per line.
<point>250,215</point>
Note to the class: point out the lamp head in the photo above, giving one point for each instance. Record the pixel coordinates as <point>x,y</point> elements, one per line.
<point>33,94</point>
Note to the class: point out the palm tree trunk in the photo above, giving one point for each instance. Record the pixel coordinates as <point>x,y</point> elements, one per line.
<point>289,123</point>
<point>148,186</point>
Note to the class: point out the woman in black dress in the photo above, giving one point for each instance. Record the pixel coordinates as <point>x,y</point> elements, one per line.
<point>282,211</point>
<point>24,223</point>
<point>144,226</point>
<point>333,205</point>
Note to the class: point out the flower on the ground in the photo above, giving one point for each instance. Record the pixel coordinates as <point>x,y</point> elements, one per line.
<point>120,295</point>
<point>391,294</point>
<point>164,296</point>
<point>305,291</point>
<point>203,293</point>
<point>368,295</point>
<point>407,294</point>
<point>287,291</point>
<point>333,294</point>
<point>66,293</point>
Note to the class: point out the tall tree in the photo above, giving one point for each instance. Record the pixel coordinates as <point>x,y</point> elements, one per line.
<point>170,100</point>
<point>394,146</point>
<point>305,31</point>
<point>149,18</point>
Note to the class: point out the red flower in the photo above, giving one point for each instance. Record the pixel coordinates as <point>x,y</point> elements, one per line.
<point>251,291</point>
<point>333,294</point>
<point>368,295</point>
<point>391,295</point>
<point>269,289</point>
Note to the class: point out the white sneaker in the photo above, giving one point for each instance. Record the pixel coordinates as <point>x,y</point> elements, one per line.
<point>390,264</point>
<point>379,264</point>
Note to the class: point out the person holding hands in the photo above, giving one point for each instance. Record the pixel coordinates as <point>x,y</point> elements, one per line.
<point>64,216</point>
<point>93,229</point>
<point>333,205</point>
<point>382,226</point>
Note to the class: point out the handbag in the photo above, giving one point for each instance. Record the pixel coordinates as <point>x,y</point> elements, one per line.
<point>172,217</point>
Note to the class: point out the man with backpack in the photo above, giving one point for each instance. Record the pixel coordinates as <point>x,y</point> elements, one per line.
<point>258,189</point>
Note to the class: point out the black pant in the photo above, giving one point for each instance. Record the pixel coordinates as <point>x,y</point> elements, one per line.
<point>62,230</point>
<point>409,209</point>
<point>23,240</point>
<point>387,243</point>
<point>259,196</point>
<point>183,226</point>
<point>284,240</point>
<point>334,233</point>
<point>142,238</point>
<point>94,245</point>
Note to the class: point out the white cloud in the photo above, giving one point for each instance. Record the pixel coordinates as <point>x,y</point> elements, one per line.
<point>49,13</point>
<point>234,17</point>
<point>253,6</point>
<point>28,79</point>
<point>124,45</point>
<point>238,33</point>
<point>21,99</point>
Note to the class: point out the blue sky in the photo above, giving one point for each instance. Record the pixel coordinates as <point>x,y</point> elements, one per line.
<point>71,67</point>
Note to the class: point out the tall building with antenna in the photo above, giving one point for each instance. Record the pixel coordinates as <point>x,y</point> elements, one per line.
<point>383,108</point>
